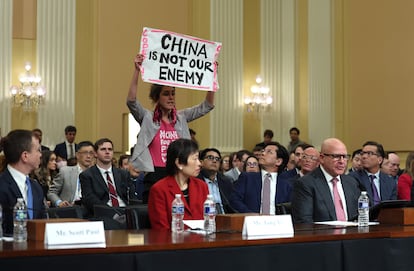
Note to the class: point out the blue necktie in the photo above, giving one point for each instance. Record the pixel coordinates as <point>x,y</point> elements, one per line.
<point>29,198</point>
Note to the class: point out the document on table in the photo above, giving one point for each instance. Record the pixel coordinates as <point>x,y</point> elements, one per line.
<point>344,223</point>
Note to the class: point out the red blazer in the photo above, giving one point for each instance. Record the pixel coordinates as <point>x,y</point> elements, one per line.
<point>404,187</point>
<point>161,195</point>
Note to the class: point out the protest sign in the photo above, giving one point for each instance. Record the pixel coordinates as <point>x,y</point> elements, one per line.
<point>179,60</point>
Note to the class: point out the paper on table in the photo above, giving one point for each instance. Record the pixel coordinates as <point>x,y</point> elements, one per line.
<point>343,223</point>
<point>194,224</point>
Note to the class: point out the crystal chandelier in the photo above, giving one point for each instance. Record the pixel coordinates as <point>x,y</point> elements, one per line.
<point>260,97</point>
<point>30,94</point>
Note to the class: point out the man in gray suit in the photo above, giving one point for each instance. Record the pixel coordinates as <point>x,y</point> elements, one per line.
<point>314,195</point>
<point>65,188</point>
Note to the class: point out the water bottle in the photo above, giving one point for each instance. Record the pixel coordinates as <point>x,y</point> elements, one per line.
<point>177,223</point>
<point>363,209</point>
<point>19,221</point>
<point>210,215</point>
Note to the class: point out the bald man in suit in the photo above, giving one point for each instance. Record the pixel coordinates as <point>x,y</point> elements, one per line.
<point>313,196</point>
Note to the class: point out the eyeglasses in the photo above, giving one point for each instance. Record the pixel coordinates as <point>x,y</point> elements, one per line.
<point>310,157</point>
<point>213,158</point>
<point>267,151</point>
<point>252,164</point>
<point>226,161</point>
<point>369,153</point>
<point>87,152</point>
<point>337,157</point>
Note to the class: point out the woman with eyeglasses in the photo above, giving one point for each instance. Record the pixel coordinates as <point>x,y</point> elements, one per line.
<point>251,164</point>
<point>225,163</point>
<point>183,166</point>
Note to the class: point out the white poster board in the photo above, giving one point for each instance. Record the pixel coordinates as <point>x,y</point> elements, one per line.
<point>179,60</point>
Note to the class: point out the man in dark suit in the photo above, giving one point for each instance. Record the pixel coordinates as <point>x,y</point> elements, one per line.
<point>103,184</point>
<point>22,152</point>
<point>379,186</point>
<point>248,190</point>
<point>39,134</point>
<point>219,185</point>
<point>67,149</point>
<point>315,194</point>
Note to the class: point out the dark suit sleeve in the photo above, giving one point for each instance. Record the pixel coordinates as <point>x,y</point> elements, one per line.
<point>90,196</point>
<point>302,202</point>
<point>238,197</point>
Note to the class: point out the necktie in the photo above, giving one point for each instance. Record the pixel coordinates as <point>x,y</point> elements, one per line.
<point>29,198</point>
<point>339,208</point>
<point>266,194</point>
<point>375,196</point>
<point>112,192</point>
<point>70,155</point>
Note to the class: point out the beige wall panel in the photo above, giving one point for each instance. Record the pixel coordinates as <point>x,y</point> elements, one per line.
<point>379,42</point>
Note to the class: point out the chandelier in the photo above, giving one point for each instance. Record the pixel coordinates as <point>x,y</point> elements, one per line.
<point>259,98</point>
<point>30,94</point>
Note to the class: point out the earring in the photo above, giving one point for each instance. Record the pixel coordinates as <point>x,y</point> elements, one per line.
<point>181,168</point>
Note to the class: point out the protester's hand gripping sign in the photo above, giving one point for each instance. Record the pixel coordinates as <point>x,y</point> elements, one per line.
<point>179,60</point>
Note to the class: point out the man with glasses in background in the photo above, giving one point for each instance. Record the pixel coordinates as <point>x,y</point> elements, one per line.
<point>260,192</point>
<point>219,185</point>
<point>65,189</point>
<point>379,186</point>
<point>326,194</point>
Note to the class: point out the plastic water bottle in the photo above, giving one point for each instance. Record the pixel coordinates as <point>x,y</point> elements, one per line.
<point>210,215</point>
<point>363,209</point>
<point>177,223</point>
<point>20,221</point>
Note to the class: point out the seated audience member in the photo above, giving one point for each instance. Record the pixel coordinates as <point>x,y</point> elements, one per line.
<point>295,172</point>
<point>238,163</point>
<point>22,153</point>
<point>67,149</point>
<point>46,172</point>
<point>259,192</point>
<point>309,161</point>
<point>137,178</point>
<point>219,185</point>
<point>65,189</point>
<point>257,151</point>
<point>183,167</point>
<point>225,164</point>
<point>356,162</point>
<point>326,194</point>
<point>103,184</point>
<point>251,164</point>
<point>391,166</point>
<point>291,163</point>
<point>39,134</point>
<point>123,162</point>
<point>405,181</point>
<point>267,137</point>
<point>379,186</point>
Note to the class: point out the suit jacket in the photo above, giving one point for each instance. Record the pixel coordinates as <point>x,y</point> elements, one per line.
<point>60,150</point>
<point>233,174</point>
<point>225,185</point>
<point>162,194</point>
<point>292,175</point>
<point>312,200</point>
<point>64,185</point>
<point>388,187</point>
<point>95,190</point>
<point>247,194</point>
<point>9,192</point>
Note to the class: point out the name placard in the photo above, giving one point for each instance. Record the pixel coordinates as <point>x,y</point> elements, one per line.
<point>268,225</point>
<point>75,233</point>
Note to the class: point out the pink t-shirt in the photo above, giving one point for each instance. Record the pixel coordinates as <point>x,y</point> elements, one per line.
<point>159,145</point>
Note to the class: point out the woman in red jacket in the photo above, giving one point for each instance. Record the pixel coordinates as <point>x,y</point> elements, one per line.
<point>183,165</point>
<point>405,181</point>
